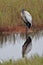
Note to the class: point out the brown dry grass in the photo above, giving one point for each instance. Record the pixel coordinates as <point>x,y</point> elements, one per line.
<point>10,11</point>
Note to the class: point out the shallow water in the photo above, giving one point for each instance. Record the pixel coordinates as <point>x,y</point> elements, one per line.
<point>11,46</point>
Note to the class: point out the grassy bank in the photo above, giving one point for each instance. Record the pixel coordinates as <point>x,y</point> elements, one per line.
<point>10,11</point>
<point>36,60</point>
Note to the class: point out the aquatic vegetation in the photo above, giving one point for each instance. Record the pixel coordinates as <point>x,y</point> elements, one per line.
<point>35,60</point>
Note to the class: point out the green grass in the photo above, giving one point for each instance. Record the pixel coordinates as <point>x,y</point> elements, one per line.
<point>36,60</point>
<point>10,11</point>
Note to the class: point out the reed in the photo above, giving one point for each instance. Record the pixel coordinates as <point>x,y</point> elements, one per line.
<point>10,11</point>
<point>35,60</point>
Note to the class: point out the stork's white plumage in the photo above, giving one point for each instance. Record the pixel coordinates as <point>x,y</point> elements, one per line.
<point>27,18</point>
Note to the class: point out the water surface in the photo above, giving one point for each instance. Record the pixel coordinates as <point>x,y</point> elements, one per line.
<point>11,46</point>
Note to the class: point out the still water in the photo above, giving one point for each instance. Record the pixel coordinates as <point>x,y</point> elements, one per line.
<point>11,46</point>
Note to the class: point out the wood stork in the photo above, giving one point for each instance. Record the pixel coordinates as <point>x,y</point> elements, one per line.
<point>26,48</point>
<point>26,17</point>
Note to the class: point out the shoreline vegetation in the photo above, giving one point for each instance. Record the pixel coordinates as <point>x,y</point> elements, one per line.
<point>10,14</point>
<point>35,60</point>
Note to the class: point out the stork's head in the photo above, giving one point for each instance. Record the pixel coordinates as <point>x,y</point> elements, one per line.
<point>23,11</point>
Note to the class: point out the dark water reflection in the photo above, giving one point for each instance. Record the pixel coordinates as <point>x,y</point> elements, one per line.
<point>11,45</point>
<point>5,38</point>
<point>27,46</point>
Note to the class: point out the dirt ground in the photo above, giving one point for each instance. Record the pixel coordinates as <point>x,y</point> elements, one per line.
<point>20,29</point>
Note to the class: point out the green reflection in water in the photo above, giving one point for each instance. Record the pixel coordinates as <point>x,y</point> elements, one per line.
<point>12,37</point>
<point>36,34</point>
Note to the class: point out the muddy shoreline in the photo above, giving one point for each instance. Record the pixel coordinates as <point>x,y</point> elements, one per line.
<point>20,29</point>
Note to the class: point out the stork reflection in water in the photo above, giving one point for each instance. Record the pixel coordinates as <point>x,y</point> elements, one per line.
<point>27,19</point>
<point>27,46</point>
